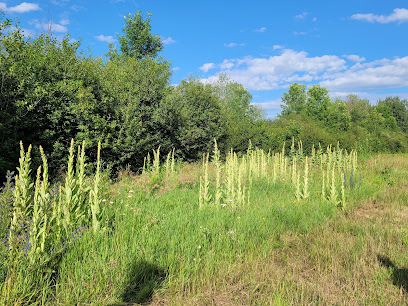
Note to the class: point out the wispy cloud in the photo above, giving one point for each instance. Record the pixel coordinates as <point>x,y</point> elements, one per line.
<point>232,45</point>
<point>23,7</point>
<point>302,15</point>
<point>50,26</point>
<point>168,41</point>
<point>277,47</point>
<point>207,66</point>
<point>27,32</point>
<point>176,69</point>
<point>398,15</point>
<point>64,21</point>
<point>261,30</point>
<point>103,38</point>
<point>76,8</point>
<point>299,33</point>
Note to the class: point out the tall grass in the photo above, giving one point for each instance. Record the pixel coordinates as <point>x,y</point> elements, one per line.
<point>172,228</point>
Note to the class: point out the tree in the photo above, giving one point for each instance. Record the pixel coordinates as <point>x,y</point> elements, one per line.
<point>137,40</point>
<point>240,116</point>
<point>294,99</point>
<point>397,108</point>
<point>318,100</point>
<point>359,109</point>
<point>191,116</point>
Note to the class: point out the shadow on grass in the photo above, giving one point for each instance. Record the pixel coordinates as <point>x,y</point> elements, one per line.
<point>399,275</point>
<point>141,281</point>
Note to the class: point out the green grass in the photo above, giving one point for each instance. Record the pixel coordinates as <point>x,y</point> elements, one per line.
<point>159,247</point>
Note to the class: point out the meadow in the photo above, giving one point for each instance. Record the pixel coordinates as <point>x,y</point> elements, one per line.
<point>255,228</point>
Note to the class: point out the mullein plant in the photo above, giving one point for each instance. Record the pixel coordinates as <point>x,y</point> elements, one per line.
<point>95,197</point>
<point>156,160</point>
<point>44,223</point>
<point>306,193</point>
<point>333,191</point>
<point>216,161</point>
<point>205,196</point>
<point>22,197</point>
<point>294,170</point>
<point>170,163</point>
<point>74,191</point>
<point>42,218</point>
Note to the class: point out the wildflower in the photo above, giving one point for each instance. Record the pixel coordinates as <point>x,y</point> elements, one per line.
<point>199,247</point>
<point>104,200</point>
<point>130,191</point>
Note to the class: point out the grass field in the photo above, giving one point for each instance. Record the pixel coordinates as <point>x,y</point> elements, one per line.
<point>164,241</point>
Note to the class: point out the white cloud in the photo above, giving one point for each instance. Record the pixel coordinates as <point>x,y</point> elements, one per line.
<point>20,8</point>
<point>207,66</point>
<point>231,45</point>
<point>64,21</point>
<point>398,15</point>
<point>261,30</point>
<point>226,64</point>
<point>301,16</point>
<point>384,75</point>
<point>270,105</point>
<point>168,41</point>
<point>277,47</point>
<point>176,69</point>
<point>331,71</point>
<point>354,58</point>
<point>108,39</point>
<point>277,71</point>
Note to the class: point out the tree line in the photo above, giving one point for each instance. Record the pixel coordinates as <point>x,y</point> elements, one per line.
<point>51,92</point>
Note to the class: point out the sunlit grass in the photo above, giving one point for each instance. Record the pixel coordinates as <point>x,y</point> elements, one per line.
<point>159,246</point>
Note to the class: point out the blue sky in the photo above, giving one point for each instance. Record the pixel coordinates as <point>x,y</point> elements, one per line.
<point>357,46</point>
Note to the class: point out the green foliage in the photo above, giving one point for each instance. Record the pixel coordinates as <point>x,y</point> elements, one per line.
<point>395,111</point>
<point>353,122</point>
<point>318,101</point>
<point>295,99</point>
<point>137,41</point>
<point>191,116</point>
<point>52,93</point>
<point>241,118</point>
<point>137,89</point>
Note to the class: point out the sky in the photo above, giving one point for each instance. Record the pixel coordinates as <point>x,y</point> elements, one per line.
<point>349,47</point>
